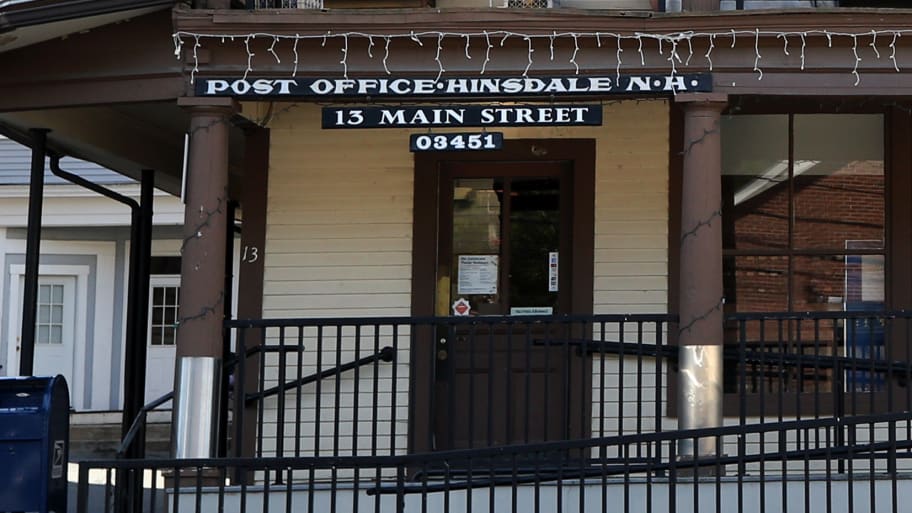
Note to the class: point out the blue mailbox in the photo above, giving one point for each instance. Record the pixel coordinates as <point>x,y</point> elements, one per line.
<point>34,444</point>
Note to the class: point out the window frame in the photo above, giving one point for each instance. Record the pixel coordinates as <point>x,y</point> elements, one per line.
<point>898,218</point>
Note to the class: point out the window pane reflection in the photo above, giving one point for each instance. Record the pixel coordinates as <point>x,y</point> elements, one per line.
<point>839,180</point>
<point>755,181</point>
<point>756,283</point>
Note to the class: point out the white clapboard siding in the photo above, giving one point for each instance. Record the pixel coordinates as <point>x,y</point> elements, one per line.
<point>339,245</point>
<point>631,260</point>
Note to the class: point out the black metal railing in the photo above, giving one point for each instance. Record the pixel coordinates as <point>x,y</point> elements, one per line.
<point>451,373</point>
<point>816,406</point>
<point>573,475</point>
<point>491,381</point>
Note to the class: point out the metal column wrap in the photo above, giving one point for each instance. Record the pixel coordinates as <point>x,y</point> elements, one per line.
<point>194,431</point>
<point>700,389</point>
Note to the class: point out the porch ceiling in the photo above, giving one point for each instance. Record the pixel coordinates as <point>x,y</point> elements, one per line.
<point>126,137</point>
<point>109,94</point>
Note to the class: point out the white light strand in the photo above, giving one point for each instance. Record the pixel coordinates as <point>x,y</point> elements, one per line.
<point>440,69</point>
<point>690,51</point>
<point>708,56</point>
<point>249,56</point>
<point>618,69</point>
<point>785,43</point>
<point>386,54</point>
<point>551,44</point>
<point>275,41</point>
<point>344,61</point>
<point>575,51</point>
<point>370,47</point>
<point>873,44</point>
<point>484,65</point>
<point>179,45</point>
<point>196,44</point>
<point>757,51</point>
<point>295,50</point>
<point>857,60</point>
<point>671,57</point>
<point>640,49</point>
<point>529,64</point>
<point>673,39</point>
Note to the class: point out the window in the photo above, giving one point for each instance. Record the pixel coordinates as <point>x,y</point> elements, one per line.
<point>164,306</point>
<point>49,324</point>
<point>804,216</point>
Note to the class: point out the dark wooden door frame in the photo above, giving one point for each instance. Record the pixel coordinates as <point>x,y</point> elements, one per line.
<point>580,153</point>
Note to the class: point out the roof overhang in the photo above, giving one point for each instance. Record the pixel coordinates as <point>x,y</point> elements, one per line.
<point>27,23</point>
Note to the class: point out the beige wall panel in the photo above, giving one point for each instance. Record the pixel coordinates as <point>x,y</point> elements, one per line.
<point>339,239</point>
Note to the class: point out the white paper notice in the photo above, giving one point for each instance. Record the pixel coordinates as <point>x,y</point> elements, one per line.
<point>477,274</point>
<point>552,271</point>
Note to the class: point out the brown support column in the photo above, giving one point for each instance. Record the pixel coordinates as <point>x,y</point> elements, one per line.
<point>199,334</point>
<point>700,291</point>
<point>700,5</point>
<point>250,282</point>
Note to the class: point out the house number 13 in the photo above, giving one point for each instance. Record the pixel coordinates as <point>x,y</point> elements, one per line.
<point>250,255</point>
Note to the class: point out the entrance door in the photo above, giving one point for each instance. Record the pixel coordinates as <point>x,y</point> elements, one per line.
<point>164,299</point>
<point>504,249</point>
<point>55,329</point>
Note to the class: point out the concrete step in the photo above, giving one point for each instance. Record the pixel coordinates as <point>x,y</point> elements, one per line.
<point>98,436</point>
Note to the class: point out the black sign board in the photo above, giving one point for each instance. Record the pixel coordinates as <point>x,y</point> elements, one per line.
<point>462,116</point>
<point>462,87</point>
<point>461,141</point>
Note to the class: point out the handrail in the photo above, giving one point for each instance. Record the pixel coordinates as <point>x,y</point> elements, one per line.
<point>732,352</point>
<point>544,475</point>
<point>484,320</point>
<point>140,420</point>
<point>385,355</point>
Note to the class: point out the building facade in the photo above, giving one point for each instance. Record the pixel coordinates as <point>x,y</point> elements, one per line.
<point>490,250</point>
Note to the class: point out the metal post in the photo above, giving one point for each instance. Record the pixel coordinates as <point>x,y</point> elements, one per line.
<point>226,336</point>
<point>32,252</point>
<point>138,314</point>
<point>700,301</point>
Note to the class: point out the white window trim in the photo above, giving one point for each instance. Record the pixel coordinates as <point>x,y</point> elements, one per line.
<point>159,280</point>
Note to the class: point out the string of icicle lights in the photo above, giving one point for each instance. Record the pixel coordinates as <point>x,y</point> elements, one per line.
<point>675,43</point>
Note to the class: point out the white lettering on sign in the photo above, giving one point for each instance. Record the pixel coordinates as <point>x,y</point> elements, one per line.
<point>453,86</point>
<point>460,116</point>
<point>525,115</point>
<point>426,117</point>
